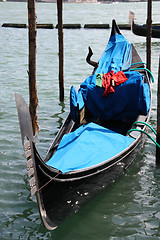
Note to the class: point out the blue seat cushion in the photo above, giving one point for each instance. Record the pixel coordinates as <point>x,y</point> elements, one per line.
<point>88,146</point>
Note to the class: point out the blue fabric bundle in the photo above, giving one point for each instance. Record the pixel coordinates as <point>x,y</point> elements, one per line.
<point>76,100</point>
<point>117,55</point>
<point>130,99</point>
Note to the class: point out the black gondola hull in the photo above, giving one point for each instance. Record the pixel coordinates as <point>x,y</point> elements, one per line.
<point>141,30</point>
<point>60,195</point>
<point>66,197</point>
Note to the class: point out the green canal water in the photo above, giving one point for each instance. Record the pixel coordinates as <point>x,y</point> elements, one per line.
<point>129,208</point>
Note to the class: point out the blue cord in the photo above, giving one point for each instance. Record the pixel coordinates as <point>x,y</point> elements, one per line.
<point>142,131</point>
<point>145,70</point>
<point>146,125</point>
<point>139,130</point>
<point>138,63</point>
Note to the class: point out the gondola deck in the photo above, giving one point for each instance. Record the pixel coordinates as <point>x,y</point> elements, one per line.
<point>62,190</point>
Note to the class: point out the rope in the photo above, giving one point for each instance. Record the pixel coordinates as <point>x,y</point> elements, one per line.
<point>142,131</point>
<point>138,63</point>
<point>48,182</point>
<point>145,70</point>
<point>138,130</point>
<point>146,125</point>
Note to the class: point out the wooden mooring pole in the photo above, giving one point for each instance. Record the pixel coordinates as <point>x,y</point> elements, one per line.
<point>149,33</point>
<point>33,99</point>
<point>61,50</point>
<point>158,118</point>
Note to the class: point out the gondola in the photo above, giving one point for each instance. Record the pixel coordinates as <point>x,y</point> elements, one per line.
<point>96,142</point>
<point>141,30</point>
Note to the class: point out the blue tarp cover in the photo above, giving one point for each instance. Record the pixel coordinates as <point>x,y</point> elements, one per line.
<point>130,99</point>
<point>87,146</point>
<point>117,55</point>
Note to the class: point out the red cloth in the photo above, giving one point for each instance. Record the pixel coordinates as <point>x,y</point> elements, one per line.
<point>118,78</point>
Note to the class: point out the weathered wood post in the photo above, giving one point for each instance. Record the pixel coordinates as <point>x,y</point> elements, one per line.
<point>158,118</point>
<point>149,33</point>
<point>61,51</point>
<point>33,99</point>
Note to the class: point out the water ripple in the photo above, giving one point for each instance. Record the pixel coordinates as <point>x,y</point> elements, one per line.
<point>129,208</point>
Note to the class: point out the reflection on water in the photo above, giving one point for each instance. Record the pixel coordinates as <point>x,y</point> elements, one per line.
<point>127,209</point>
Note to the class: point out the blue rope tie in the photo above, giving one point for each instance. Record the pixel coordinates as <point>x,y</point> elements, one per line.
<point>146,125</point>
<point>145,70</point>
<point>142,131</point>
<point>138,63</point>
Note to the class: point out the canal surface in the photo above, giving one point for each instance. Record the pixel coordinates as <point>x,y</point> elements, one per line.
<point>127,209</point>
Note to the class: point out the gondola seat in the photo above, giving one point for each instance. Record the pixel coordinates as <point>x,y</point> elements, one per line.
<point>88,146</point>
<point>131,99</point>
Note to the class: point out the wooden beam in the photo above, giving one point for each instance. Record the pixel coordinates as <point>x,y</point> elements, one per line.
<point>61,50</point>
<point>158,118</point>
<point>33,101</point>
<point>149,33</point>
